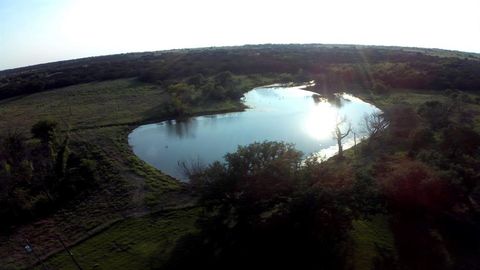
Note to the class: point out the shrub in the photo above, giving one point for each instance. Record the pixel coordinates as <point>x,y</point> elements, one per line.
<point>44,130</point>
<point>412,188</point>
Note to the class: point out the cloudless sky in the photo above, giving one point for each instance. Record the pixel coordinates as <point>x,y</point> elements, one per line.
<point>38,31</point>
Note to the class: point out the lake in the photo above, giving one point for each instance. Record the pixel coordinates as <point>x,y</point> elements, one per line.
<point>275,113</point>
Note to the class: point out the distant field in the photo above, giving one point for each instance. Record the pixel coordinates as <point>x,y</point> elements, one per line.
<point>86,105</point>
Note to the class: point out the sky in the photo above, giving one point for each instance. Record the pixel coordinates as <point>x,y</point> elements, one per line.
<point>40,31</point>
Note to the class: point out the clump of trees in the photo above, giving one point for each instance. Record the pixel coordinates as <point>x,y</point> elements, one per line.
<point>264,208</point>
<point>427,170</point>
<point>197,90</point>
<point>413,188</point>
<point>38,174</point>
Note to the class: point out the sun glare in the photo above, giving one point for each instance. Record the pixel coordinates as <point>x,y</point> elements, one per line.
<point>320,122</point>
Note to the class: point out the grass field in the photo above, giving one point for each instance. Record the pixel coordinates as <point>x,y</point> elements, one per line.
<point>370,238</point>
<point>131,243</point>
<point>85,105</point>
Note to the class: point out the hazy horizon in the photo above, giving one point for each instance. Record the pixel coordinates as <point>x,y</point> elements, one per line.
<point>42,31</point>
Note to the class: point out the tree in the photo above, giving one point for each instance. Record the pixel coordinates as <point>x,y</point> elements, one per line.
<point>340,135</point>
<point>402,121</point>
<point>420,139</point>
<point>224,78</point>
<point>375,124</point>
<point>258,170</point>
<point>197,80</point>
<point>44,130</point>
<point>435,113</point>
<point>411,187</point>
<point>457,141</point>
<point>175,107</point>
<point>13,148</point>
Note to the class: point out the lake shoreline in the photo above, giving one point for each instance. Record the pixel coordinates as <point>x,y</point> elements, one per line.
<point>307,122</point>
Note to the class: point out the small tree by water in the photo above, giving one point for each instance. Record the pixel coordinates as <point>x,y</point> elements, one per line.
<point>340,135</point>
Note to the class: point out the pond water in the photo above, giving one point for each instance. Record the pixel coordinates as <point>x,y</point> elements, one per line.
<point>275,113</point>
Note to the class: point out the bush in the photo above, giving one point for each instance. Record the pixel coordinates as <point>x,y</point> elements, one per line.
<point>412,188</point>
<point>403,120</point>
<point>435,114</point>
<point>457,141</point>
<point>44,130</point>
<point>420,139</point>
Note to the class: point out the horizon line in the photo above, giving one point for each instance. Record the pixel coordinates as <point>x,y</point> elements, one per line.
<point>234,46</point>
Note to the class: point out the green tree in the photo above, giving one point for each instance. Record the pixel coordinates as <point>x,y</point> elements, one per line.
<point>44,130</point>
<point>435,114</point>
<point>457,141</point>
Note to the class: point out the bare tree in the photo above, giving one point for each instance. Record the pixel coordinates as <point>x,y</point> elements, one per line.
<point>191,168</point>
<point>375,124</point>
<point>340,135</point>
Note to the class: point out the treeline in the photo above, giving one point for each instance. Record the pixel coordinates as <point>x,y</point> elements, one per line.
<point>37,175</point>
<point>333,67</point>
<point>426,167</point>
<point>61,74</point>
